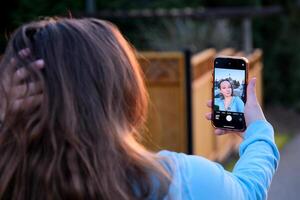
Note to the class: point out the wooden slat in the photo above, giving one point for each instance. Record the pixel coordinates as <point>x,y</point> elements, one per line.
<point>148,55</point>
<point>226,52</point>
<point>203,137</point>
<point>240,54</point>
<point>202,62</point>
<point>165,80</point>
<point>255,57</point>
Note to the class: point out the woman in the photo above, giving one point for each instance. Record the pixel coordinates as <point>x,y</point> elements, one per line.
<point>72,132</point>
<point>227,101</point>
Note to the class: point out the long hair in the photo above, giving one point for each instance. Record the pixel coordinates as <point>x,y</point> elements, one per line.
<point>80,143</point>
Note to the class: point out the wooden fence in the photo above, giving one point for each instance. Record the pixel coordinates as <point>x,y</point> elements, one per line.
<point>168,119</point>
<point>176,116</point>
<point>165,76</point>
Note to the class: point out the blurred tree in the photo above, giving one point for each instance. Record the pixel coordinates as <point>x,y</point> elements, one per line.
<point>17,12</point>
<point>27,10</point>
<point>139,4</point>
<point>5,22</point>
<point>214,3</point>
<point>279,37</point>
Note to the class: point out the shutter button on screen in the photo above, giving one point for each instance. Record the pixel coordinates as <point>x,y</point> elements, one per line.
<point>228,118</point>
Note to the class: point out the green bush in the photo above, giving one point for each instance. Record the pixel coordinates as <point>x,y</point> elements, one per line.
<point>23,11</point>
<point>279,38</point>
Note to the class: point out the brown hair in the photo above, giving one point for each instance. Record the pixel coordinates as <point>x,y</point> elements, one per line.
<point>219,86</point>
<point>80,143</point>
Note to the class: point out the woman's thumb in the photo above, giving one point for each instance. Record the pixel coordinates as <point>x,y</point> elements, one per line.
<point>253,111</point>
<point>251,91</point>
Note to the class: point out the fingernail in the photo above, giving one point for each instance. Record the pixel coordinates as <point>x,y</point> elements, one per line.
<point>254,81</point>
<point>27,51</point>
<point>24,52</point>
<point>40,63</point>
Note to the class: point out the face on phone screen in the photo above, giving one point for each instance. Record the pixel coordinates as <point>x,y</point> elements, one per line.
<point>229,93</point>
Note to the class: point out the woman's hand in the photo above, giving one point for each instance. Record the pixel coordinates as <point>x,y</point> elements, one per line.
<point>252,112</point>
<point>17,89</point>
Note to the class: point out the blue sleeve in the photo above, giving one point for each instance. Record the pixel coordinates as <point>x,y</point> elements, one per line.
<point>195,177</point>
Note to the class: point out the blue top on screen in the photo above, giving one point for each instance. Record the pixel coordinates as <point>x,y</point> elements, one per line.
<point>236,105</point>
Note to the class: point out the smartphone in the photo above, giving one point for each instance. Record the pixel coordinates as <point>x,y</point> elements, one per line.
<point>230,76</point>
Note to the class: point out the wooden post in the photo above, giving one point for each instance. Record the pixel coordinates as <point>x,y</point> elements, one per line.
<point>188,100</point>
<point>247,35</point>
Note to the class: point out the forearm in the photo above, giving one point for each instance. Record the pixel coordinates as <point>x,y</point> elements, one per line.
<point>258,161</point>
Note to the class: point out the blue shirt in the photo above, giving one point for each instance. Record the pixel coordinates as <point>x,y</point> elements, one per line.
<point>236,105</point>
<point>195,177</point>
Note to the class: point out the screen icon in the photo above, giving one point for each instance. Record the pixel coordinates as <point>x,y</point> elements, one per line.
<point>229,118</point>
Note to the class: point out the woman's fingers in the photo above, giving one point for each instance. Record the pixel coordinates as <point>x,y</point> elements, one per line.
<point>251,92</point>
<point>24,52</point>
<point>208,116</point>
<point>13,63</point>
<point>220,132</point>
<point>27,103</point>
<point>253,111</point>
<point>21,91</point>
<point>22,97</point>
<point>22,73</point>
<point>209,103</point>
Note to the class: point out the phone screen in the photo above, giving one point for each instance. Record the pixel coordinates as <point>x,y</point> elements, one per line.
<point>229,93</point>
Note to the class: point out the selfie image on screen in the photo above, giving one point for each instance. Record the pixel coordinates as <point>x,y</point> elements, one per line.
<point>229,94</point>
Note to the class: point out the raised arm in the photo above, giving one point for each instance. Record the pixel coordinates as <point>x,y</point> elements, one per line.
<point>195,177</point>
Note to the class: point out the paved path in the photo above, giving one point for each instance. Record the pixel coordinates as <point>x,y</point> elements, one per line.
<point>286,182</point>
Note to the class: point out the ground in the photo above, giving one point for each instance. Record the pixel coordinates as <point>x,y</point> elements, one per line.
<point>284,120</point>
<point>286,123</point>
<point>285,184</point>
